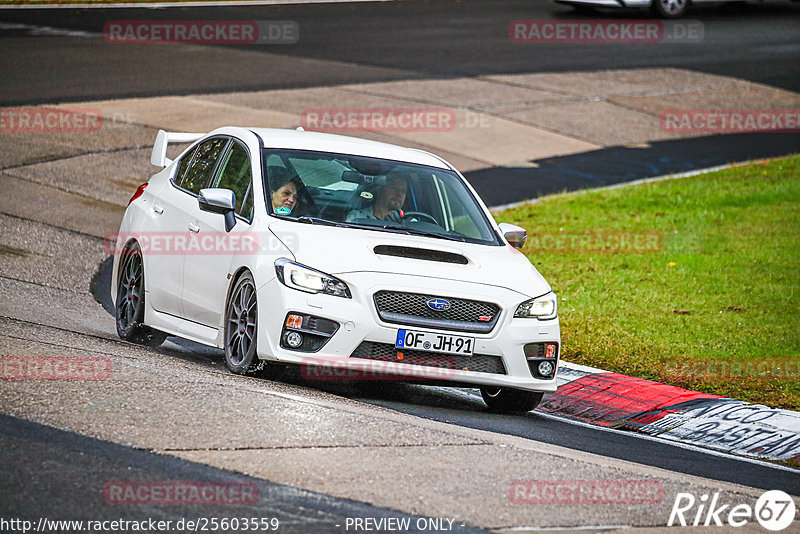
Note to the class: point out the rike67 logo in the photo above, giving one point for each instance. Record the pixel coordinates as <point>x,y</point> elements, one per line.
<point>774,510</point>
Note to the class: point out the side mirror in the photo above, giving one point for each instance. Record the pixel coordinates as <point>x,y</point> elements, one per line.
<point>217,200</point>
<point>515,235</point>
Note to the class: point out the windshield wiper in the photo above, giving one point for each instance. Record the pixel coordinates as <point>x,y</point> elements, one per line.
<point>395,229</point>
<point>316,220</point>
<point>410,231</point>
<point>440,236</point>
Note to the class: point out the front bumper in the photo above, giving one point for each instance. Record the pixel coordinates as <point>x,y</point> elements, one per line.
<point>359,325</point>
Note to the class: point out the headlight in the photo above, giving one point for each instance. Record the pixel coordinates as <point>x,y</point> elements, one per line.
<point>310,280</point>
<point>544,307</point>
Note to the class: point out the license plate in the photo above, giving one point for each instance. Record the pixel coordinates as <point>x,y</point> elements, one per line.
<point>428,341</point>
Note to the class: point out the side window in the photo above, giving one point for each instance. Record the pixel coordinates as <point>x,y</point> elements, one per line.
<point>236,175</point>
<point>187,159</point>
<point>198,175</point>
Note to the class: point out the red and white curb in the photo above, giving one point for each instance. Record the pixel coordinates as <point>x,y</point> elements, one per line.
<point>624,402</point>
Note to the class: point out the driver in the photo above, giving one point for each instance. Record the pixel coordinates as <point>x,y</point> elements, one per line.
<point>387,203</point>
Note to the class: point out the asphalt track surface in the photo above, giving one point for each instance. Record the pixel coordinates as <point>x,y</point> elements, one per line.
<point>368,42</point>
<point>457,407</point>
<point>77,465</point>
<point>620,164</point>
<point>365,42</point>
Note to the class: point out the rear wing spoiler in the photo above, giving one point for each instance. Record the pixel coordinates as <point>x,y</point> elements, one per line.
<point>159,156</point>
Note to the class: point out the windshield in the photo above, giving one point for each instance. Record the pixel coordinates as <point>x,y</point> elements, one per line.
<point>375,194</point>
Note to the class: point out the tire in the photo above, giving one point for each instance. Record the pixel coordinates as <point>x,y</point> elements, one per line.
<point>241,326</point>
<point>129,308</point>
<point>669,9</point>
<point>502,400</point>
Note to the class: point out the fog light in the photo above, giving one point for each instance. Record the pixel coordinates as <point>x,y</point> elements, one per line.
<point>546,368</point>
<point>294,339</point>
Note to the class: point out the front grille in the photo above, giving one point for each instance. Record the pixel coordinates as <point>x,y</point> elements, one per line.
<point>412,309</point>
<point>385,352</point>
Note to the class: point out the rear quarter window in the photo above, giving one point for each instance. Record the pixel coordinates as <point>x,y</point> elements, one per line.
<point>184,164</point>
<point>198,174</point>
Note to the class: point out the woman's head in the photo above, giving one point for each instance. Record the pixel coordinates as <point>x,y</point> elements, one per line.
<point>284,190</point>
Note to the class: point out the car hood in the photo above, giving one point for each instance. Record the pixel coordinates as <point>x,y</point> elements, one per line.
<point>339,251</point>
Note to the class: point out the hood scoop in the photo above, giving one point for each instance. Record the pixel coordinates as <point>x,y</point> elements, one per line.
<point>420,254</point>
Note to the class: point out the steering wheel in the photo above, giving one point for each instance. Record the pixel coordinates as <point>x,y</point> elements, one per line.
<point>408,214</point>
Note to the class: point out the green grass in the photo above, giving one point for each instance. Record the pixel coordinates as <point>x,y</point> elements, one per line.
<point>723,288</point>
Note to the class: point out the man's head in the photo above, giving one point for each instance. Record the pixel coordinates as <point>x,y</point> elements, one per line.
<point>391,196</point>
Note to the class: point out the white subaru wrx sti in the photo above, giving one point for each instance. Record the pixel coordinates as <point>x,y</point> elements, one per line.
<point>337,253</point>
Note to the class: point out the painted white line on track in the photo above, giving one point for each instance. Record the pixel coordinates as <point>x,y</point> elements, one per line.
<point>47,30</point>
<point>583,368</point>
<point>163,5</point>
<point>661,178</point>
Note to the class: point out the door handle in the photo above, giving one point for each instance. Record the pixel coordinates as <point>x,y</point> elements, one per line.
<point>193,228</point>
<point>158,209</point>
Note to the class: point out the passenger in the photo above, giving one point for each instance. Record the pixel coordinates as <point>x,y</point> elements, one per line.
<point>387,203</point>
<point>285,191</point>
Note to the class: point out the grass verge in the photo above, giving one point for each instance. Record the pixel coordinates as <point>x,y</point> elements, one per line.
<point>693,281</point>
